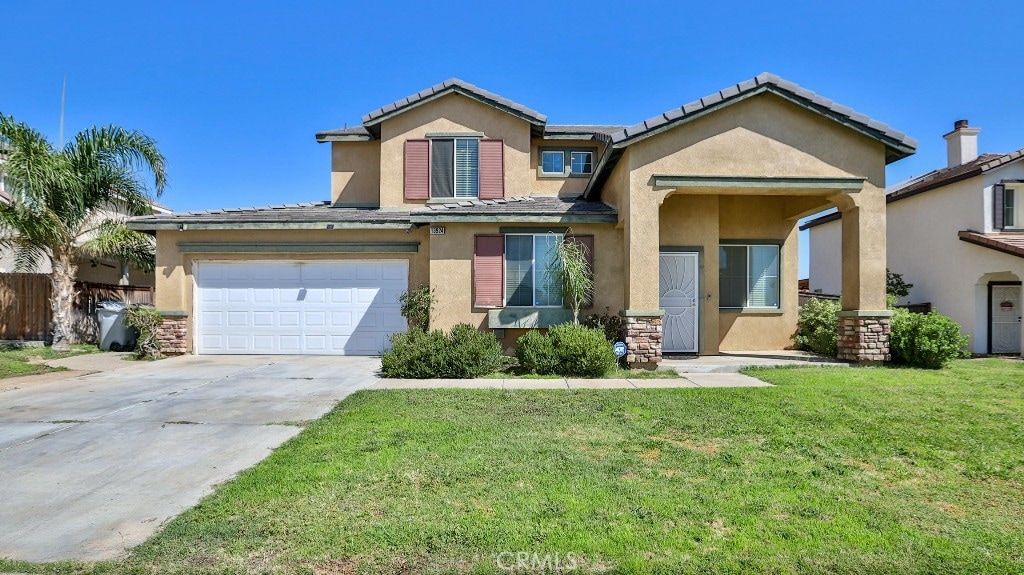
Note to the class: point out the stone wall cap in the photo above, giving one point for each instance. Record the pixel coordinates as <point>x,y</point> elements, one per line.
<point>865,313</point>
<point>642,313</point>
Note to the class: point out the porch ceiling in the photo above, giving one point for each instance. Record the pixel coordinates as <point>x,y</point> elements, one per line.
<point>757,185</point>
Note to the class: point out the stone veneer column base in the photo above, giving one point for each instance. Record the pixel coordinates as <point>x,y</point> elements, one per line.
<point>642,336</point>
<point>864,336</point>
<point>172,334</point>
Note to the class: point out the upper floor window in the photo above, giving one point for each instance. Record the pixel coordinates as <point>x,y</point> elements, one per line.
<point>565,162</point>
<point>455,167</point>
<point>748,276</point>
<point>1010,216</point>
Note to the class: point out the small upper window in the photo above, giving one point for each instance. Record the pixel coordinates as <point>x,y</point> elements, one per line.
<point>552,162</point>
<point>1010,209</point>
<point>582,162</point>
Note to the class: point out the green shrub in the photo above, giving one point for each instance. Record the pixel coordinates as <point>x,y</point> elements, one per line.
<point>929,340</point>
<point>416,306</point>
<point>817,327</point>
<point>464,353</point>
<point>535,353</point>
<point>581,351</point>
<point>146,320</point>
<point>610,324</point>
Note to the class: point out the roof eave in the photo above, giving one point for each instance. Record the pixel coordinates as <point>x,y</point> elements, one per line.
<point>441,217</point>
<point>370,122</point>
<point>185,225</point>
<point>322,138</point>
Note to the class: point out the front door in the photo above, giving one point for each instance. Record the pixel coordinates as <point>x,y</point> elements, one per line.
<point>678,296</point>
<point>1005,314</point>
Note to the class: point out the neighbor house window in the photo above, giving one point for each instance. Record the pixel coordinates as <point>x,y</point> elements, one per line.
<point>582,162</point>
<point>748,276</point>
<point>531,270</point>
<point>552,162</point>
<point>455,168</point>
<point>1010,209</point>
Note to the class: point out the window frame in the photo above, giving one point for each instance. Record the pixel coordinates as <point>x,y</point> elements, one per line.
<point>748,244</point>
<point>567,152</point>
<point>590,153</point>
<point>455,160</point>
<point>1011,209</point>
<point>533,272</point>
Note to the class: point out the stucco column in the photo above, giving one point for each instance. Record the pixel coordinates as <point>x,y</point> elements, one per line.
<point>642,316</point>
<point>864,319</point>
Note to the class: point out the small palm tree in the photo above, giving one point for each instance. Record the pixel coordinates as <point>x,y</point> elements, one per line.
<point>72,202</point>
<point>573,273</point>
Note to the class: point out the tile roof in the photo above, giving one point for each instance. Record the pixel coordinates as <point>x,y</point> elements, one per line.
<point>766,81</point>
<point>526,205</point>
<point>1012,244</point>
<point>357,132</point>
<point>311,212</point>
<point>459,86</point>
<point>933,180</point>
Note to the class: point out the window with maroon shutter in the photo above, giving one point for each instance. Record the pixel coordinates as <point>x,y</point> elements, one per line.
<point>492,169</point>
<point>999,206</point>
<point>417,169</point>
<point>588,248</point>
<point>489,271</point>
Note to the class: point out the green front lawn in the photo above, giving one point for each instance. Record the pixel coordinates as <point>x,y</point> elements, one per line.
<point>18,361</point>
<point>834,470</point>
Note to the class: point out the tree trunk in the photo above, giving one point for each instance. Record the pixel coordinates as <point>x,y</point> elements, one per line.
<point>63,299</point>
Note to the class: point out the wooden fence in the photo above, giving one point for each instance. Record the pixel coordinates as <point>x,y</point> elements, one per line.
<point>25,306</point>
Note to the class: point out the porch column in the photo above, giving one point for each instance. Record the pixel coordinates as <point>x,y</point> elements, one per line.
<point>864,319</point>
<point>642,316</point>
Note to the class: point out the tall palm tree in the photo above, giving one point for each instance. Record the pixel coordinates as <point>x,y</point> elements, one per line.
<point>72,202</point>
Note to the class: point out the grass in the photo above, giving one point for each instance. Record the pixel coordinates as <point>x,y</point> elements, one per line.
<point>18,361</point>
<point>833,470</point>
<point>616,373</point>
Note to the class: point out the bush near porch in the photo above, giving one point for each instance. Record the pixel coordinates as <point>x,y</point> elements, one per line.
<point>833,470</point>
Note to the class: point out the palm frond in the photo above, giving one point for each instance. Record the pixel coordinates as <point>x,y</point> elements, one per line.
<point>113,239</point>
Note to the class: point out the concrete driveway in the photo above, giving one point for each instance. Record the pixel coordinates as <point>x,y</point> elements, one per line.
<point>93,465</point>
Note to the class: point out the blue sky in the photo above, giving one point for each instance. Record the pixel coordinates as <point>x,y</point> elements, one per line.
<point>233,92</point>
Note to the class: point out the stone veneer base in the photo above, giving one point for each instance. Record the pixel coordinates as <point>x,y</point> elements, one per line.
<point>864,338</point>
<point>642,336</point>
<point>173,335</point>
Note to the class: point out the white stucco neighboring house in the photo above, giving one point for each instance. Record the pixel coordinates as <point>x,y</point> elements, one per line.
<point>957,234</point>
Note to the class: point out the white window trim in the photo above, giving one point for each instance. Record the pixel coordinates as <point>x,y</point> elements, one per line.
<point>746,296</point>
<point>587,152</point>
<point>546,173</point>
<point>533,256</point>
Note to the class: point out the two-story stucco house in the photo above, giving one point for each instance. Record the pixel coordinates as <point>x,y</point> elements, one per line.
<point>690,219</point>
<point>957,234</point>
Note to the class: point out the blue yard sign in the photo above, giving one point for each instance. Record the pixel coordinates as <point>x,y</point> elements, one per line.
<point>619,348</point>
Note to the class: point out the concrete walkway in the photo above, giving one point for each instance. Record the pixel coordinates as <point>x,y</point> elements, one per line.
<point>690,380</point>
<point>734,361</point>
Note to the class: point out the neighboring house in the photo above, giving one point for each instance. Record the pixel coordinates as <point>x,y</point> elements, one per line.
<point>690,218</point>
<point>957,234</point>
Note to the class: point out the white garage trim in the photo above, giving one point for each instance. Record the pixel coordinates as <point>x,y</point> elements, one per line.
<point>314,307</point>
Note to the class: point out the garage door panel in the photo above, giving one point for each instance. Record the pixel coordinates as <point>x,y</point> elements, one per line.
<point>293,308</point>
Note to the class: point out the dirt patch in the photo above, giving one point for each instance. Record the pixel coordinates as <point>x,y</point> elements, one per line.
<point>949,508</point>
<point>651,456</point>
<point>709,447</point>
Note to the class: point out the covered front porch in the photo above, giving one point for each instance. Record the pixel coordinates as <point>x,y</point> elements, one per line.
<point>725,249</point>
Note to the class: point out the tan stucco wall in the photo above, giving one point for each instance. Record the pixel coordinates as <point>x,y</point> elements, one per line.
<point>451,270</point>
<point>174,282</point>
<point>556,186</point>
<point>452,113</point>
<point>355,173</point>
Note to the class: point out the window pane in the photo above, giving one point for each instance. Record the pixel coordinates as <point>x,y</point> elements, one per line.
<point>764,277</point>
<point>1009,208</point>
<point>467,168</point>
<point>441,154</point>
<point>549,289</point>
<point>582,162</point>
<point>732,276</point>
<point>552,162</point>
<point>519,270</point>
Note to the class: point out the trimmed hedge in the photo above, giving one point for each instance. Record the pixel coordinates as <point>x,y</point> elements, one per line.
<point>465,352</point>
<point>817,327</point>
<point>568,350</point>
<point>928,340</point>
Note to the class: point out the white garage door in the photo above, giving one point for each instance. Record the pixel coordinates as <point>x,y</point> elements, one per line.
<point>339,308</point>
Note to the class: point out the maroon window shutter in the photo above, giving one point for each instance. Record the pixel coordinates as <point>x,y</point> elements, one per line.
<point>417,169</point>
<point>999,206</point>
<point>489,271</point>
<point>492,169</point>
<point>588,248</point>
